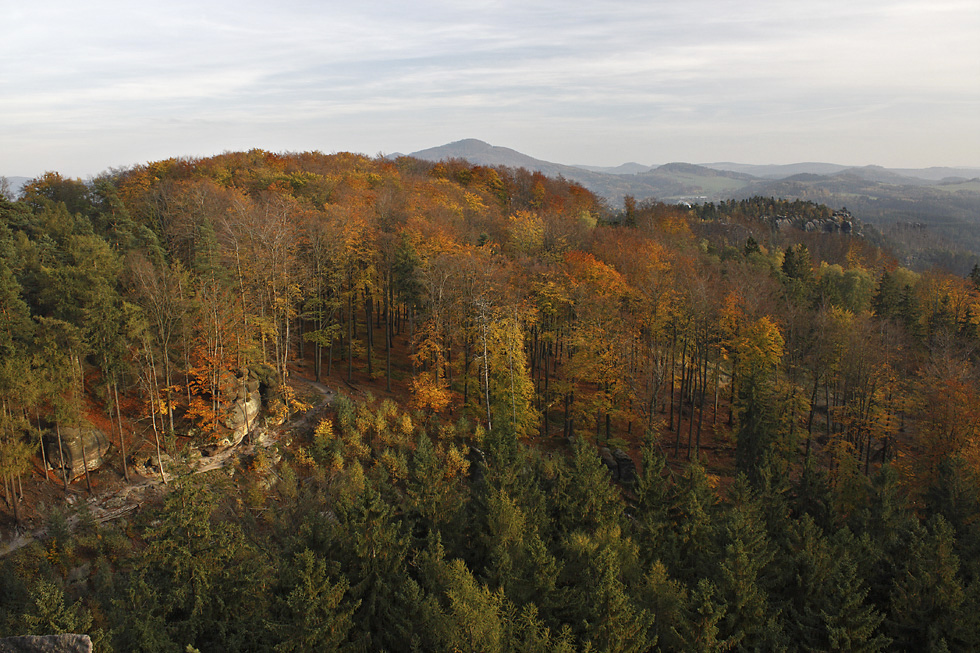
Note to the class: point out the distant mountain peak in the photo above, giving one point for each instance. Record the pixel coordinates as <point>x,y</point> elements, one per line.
<point>481,153</point>
<point>679,181</point>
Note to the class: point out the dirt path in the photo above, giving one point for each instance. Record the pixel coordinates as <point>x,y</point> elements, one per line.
<point>131,497</point>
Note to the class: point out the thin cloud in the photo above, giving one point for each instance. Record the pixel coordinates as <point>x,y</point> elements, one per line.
<point>571,81</point>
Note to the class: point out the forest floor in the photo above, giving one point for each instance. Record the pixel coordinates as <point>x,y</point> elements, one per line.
<point>111,496</point>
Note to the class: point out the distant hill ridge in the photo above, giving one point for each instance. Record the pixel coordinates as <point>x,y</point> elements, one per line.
<point>16,183</point>
<point>946,200</point>
<point>481,153</point>
<point>682,181</point>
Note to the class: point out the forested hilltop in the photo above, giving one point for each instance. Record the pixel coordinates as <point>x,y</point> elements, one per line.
<point>552,426</point>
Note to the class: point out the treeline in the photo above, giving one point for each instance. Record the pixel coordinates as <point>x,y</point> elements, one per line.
<point>498,295</point>
<point>807,363</point>
<point>387,533</point>
<point>757,208</point>
<point>151,286</point>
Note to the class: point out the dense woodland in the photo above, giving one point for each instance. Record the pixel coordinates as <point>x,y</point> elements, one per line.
<point>803,411</point>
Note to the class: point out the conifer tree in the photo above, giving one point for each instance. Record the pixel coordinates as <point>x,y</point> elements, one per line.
<point>851,623</point>
<point>311,613</point>
<point>585,497</point>
<point>667,601</point>
<point>50,614</point>
<point>751,620</point>
<point>927,599</point>
<point>197,573</point>
<point>602,575</point>
<point>651,509</point>
<point>706,611</point>
<point>517,558</point>
<point>827,607</point>
<point>374,554</point>
<point>693,543</point>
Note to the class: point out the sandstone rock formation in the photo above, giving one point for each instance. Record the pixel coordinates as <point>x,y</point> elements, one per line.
<point>625,467</point>
<point>81,446</point>
<point>620,464</point>
<point>46,644</point>
<point>241,395</point>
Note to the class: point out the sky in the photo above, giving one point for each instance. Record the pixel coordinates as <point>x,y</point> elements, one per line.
<point>90,86</point>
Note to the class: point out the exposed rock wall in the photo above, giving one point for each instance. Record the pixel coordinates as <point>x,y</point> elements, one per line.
<point>241,394</point>
<point>46,644</point>
<point>82,446</point>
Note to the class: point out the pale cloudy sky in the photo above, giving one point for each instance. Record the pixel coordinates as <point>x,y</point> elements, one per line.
<point>85,86</point>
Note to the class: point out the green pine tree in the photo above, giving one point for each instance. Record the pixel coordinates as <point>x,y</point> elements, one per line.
<point>751,620</point>
<point>927,598</point>
<point>310,612</point>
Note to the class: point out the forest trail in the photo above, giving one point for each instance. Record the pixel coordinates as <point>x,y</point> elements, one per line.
<point>129,498</point>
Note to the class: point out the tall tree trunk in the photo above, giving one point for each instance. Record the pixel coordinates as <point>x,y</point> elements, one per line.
<point>466,371</point>
<point>61,453</point>
<point>316,361</point>
<point>350,338</point>
<point>301,331</point>
<point>18,499</point>
<point>716,374</point>
<point>486,371</point>
<point>369,329</point>
<point>122,437</point>
<point>387,311</point>
<point>168,389</point>
<point>547,390</point>
<point>286,348</point>
<point>14,501</point>
<point>154,393</point>
<point>566,426</point>
<point>156,439</point>
<point>703,393</point>
<point>809,421</point>
<point>680,400</point>
<point>44,454</point>
<point>694,386</point>
<point>88,481</point>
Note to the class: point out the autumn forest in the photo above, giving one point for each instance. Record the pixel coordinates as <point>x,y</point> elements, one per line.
<point>301,402</point>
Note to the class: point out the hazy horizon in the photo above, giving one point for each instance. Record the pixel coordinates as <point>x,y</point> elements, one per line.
<point>108,83</point>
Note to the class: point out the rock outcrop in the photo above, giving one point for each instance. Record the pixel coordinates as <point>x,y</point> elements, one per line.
<point>620,465</point>
<point>241,394</point>
<point>840,222</point>
<point>46,644</point>
<point>81,446</point>
<point>626,468</point>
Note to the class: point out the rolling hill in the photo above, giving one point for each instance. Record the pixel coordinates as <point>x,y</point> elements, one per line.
<point>942,203</point>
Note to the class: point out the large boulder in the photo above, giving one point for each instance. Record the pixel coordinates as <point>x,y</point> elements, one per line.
<point>626,468</point>
<point>83,446</point>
